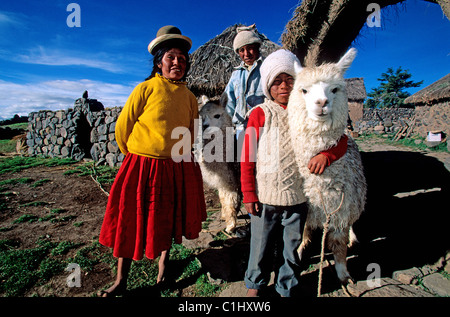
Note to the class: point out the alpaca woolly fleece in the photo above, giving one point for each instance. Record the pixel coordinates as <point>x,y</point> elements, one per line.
<point>218,172</point>
<point>281,61</point>
<point>342,186</point>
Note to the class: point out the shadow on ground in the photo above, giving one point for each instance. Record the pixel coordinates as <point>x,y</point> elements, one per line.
<point>412,230</point>
<point>394,232</point>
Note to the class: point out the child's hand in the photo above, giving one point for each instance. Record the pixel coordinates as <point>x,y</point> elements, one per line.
<point>317,164</point>
<point>252,208</point>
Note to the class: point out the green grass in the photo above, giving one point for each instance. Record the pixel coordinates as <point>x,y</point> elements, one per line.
<point>89,256</point>
<point>14,181</point>
<point>26,218</point>
<point>19,163</point>
<point>7,146</point>
<point>35,204</point>
<point>18,126</point>
<point>205,289</point>
<point>414,142</point>
<point>26,180</point>
<point>40,182</point>
<point>104,174</point>
<point>184,269</point>
<point>22,269</point>
<point>411,142</point>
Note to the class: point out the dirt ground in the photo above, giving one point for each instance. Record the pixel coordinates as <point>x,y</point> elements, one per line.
<point>81,201</point>
<point>398,232</point>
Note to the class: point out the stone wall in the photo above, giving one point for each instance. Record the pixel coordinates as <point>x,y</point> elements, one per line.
<point>433,118</point>
<point>387,120</point>
<point>88,130</point>
<point>54,134</point>
<point>102,137</point>
<point>84,132</point>
<point>423,119</point>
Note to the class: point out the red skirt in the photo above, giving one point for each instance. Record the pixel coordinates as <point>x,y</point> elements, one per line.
<point>151,202</point>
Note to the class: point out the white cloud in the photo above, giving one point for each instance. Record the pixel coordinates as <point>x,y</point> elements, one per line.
<point>56,57</point>
<point>10,19</point>
<point>55,95</point>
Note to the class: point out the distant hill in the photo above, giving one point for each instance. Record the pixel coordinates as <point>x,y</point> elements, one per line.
<point>15,119</point>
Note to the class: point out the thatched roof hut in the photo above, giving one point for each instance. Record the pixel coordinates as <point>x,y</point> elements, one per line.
<point>213,62</point>
<point>438,91</point>
<point>431,108</point>
<point>356,93</point>
<point>356,90</point>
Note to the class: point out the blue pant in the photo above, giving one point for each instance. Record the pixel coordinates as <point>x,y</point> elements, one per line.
<point>272,224</point>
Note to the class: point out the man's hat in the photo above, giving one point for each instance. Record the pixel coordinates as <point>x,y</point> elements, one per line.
<point>245,35</point>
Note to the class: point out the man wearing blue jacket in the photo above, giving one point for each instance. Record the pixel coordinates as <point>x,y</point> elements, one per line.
<point>243,90</point>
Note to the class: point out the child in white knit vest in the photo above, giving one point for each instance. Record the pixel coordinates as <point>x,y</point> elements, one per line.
<point>271,183</point>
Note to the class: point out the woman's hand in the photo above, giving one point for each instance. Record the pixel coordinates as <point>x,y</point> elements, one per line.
<point>317,164</point>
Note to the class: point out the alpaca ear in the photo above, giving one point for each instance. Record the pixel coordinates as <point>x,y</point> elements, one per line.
<point>204,100</point>
<point>346,60</point>
<point>297,67</point>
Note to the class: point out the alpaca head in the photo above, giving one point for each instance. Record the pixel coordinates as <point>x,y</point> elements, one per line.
<point>323,89</point>
<point>214,117</point>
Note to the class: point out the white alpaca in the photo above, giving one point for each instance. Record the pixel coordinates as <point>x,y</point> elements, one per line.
<point>318,110</point>
<point>216,159</point>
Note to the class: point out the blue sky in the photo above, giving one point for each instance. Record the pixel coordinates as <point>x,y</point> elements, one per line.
<point>46,65</point>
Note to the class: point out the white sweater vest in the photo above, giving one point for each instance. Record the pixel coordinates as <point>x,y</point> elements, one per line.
<point>278,180</point>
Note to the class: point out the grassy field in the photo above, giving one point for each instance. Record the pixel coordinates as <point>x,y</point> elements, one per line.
<point>24,269</point>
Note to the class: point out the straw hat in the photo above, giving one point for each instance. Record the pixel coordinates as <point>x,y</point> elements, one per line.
<point>169,33</point>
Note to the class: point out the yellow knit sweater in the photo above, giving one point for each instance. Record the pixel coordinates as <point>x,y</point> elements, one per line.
<point>153,110</point>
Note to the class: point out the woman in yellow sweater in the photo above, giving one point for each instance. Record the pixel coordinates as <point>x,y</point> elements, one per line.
<point>157,195</point>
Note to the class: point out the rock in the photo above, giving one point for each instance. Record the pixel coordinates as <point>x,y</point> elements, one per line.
<point>447,263</point>
<point>387,288</point>
<point>112,127</point>
<point>409,276</point>
<point>63,132</point>
<point>120,157</point>
<point>30,143</point>
<point>109,119</point>
<point>102,129</point>
<point>437,284</point>
<point>65,151</point>
<point>111,159</point>
<point>94,136</point>
<point>77,153</point>
<point>432,144</point>
<point>95,152</point>
<point>387,123</point>
<point>236,289</point>
<point>57,149</point>
<point>113,147</point>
